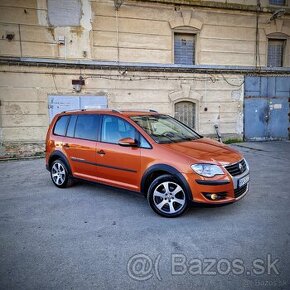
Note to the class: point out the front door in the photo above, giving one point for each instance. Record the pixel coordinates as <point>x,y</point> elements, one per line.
<point>118,165</point>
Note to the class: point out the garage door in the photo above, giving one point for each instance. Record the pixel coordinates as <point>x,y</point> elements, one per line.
<point>58,104</point>
<point>267,108</point>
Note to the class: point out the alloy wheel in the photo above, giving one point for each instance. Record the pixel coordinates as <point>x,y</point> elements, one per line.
<point>58,173</point>
<point>169,197</point>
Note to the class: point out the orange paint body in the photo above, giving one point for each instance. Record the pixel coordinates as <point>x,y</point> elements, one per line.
<point>126,166</point>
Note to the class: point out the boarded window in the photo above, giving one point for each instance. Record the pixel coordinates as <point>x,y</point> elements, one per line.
<point>64,12</point>
<point>185,113</point>
<point>277,2</point>
<point>275,52</point>
<point>184,48</point>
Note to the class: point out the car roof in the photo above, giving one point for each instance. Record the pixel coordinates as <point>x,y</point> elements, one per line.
<point>126,113</point>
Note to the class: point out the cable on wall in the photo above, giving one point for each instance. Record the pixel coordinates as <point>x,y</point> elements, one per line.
<point>53,78</point>
<point>231,84</point>
<point>257,46</point>
<point>117,36</point>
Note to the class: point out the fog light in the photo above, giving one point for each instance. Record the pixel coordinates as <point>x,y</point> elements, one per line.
<point>213,196</point>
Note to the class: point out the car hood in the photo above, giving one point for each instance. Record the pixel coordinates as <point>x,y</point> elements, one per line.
<point>207,150</point>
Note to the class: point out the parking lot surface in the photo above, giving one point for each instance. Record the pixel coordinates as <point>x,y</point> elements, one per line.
<point>95,237</point>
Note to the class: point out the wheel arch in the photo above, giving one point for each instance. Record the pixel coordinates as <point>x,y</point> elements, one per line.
<point>157,170</point>
<point>58,155</point>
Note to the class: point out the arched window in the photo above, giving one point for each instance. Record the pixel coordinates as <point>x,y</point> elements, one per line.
<point>185,112</point>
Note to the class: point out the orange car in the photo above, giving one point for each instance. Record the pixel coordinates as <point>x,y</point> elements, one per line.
<point>148,152</point>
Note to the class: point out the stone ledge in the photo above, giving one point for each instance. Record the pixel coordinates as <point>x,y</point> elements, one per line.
<point>149,67</point>
<point>16,150</point>
<point>220,5</point>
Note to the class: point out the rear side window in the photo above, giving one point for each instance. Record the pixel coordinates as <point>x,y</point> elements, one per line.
<point>60,126</point>
<point>71,126</point>
<point>87,127</point>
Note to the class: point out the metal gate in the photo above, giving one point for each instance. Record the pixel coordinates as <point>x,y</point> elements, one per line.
<point>57,104</point>
<point>266,108</point>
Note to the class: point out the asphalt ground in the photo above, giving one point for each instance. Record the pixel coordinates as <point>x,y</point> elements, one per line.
<point>95,237</point>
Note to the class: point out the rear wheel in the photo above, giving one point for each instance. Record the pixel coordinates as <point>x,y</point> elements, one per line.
<point>59,174</point>
<point>167,197</point>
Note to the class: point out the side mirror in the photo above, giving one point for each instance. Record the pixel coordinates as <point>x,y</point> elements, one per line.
<point>127,142</point>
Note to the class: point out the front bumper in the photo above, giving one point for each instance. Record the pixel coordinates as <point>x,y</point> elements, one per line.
<point>225,188</point>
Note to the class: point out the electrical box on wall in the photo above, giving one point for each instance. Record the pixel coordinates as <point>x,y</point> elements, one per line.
<point>61,40</point>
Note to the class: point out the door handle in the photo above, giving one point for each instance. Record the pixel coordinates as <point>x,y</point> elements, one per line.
<point>101,152</point>
<point>66,145</point>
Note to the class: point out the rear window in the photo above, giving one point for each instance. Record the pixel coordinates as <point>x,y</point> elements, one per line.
<point>60,126</point>
<point>87,127</point>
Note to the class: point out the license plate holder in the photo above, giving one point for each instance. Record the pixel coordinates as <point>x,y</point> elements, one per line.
<point>244,180</point>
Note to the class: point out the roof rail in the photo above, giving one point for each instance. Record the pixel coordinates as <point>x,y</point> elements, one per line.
<point>91,109</point>
<point>149,110</point>
<point>112,110</point>
<point>72,110</point>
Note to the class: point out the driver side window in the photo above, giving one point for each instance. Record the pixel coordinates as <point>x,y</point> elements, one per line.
<point>114,129</point>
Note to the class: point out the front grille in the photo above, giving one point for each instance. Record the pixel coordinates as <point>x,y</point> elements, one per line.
<point>237,168</point>
<point>240,191</point>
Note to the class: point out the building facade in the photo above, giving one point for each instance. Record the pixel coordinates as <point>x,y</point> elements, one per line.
<point>223,62</point>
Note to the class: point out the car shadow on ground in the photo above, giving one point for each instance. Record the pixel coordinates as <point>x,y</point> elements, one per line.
<point>137,199</point>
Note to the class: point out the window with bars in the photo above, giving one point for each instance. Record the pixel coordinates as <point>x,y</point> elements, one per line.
<point>275,52</point>
<point>184,48</point>
<point>277,2</point>
<point>185,112</point>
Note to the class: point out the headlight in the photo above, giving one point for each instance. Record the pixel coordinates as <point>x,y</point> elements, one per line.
<point>207,170</point>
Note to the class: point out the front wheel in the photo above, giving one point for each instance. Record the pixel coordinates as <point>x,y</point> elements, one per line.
<point>60,175</point>
<point>167,197</point>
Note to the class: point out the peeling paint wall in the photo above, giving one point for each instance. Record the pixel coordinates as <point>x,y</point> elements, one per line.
<point>139,32</point>
<point>34,36</point>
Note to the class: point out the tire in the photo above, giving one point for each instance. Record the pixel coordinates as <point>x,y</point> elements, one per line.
<point>167,196</point>
<point>60,175</point>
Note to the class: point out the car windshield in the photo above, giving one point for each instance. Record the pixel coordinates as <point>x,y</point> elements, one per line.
<point>165,129</point>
